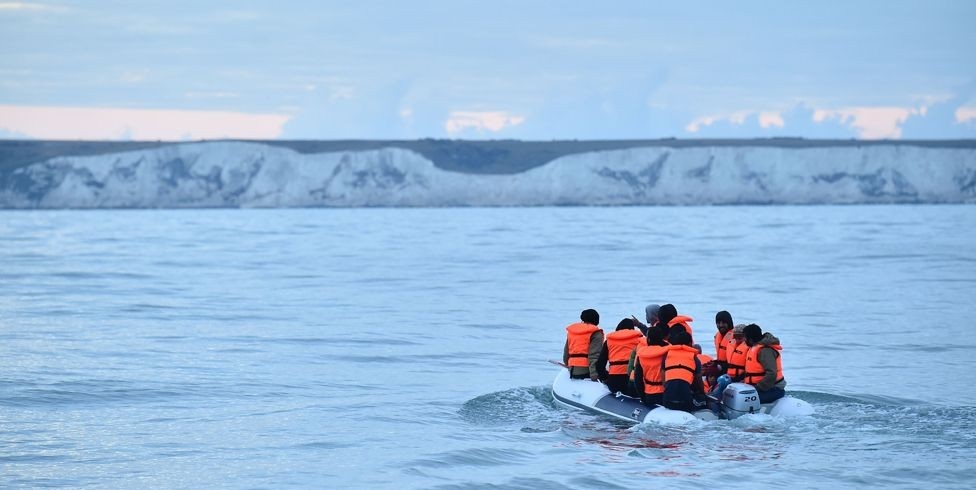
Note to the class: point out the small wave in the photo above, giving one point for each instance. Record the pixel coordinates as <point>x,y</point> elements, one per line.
<point>32,458</point>
<point>92,392</point>
<point>474,457</point>
<point>317,445</point>
<point>518,406</point>
<point>815,398</point>
<point>339,341</point>
<point>60,397</point>
<point>517,483</point>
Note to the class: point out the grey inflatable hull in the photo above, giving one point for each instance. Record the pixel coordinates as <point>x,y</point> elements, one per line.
<point>593,396</point>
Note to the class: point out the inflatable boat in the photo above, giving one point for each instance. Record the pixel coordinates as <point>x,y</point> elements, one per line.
<point>738,399</point>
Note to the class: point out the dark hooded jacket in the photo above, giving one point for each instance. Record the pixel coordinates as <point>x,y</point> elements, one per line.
<point>767,358</point>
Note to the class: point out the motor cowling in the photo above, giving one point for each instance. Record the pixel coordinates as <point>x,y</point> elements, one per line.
<point>739,399</point>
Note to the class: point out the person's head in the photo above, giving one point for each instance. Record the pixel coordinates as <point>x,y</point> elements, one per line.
<point>737,332</point>
<point>650,313</point>
<point>626,324</point>
<point>655,336</point>
<point>723,321</point>
<point>752,333</point>
<point>666,313</point>
<point>590,316</point>
<point>680,337</point>
<point>711,370</point>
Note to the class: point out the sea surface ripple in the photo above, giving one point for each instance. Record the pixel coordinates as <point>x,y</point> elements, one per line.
<point>407,348</point>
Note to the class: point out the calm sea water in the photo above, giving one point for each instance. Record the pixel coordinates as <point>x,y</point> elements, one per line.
<point>407,348</point>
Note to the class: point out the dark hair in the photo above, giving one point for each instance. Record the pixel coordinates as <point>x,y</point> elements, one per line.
<point>666,313</point>
<point>725,317</point>
<point>655,336</point>
<point>752,332</point>
<point>590,316</point>
<point>626,324</point>
<point>680,337</point>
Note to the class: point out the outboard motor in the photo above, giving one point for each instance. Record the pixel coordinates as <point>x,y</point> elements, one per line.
<point>739,399</point>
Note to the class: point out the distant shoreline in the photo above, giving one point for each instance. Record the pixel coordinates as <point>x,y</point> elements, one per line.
<point>466,156</point>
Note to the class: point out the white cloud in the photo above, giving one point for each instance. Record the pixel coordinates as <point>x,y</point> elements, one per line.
<point>494,121</point>
<point>96,123</point>
<point>19,6</point>
<point>868,122</point>
<point>697,124</point>
<point>736,118</point>
<point>964,114</point>
<point>771,119</point>
<point>871,122</point>
<point>30,6</point>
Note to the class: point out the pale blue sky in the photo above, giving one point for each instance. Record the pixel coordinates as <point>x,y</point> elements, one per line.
<point>503,69</point>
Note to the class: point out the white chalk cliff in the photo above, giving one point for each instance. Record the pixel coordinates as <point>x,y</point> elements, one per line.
<point>238,174</point>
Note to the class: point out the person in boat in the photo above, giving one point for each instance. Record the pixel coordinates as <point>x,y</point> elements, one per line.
<point>665,314</point>
<point>723,335</point>
<point>735,363</point>
<point>584,340</point>
<point>681,322</point>
<point>704,359</point>
<point>710,373</point>
<point>616,352</point>
<point>764,364</point>
<point>648,376</point>
<point>714,382</point>
<point>682,374</point>
<point>650,316</point>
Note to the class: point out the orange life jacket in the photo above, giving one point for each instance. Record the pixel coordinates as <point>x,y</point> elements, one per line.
<point>726,346</point>
<point>620,344</point>
<point>684,321</point>
<point>578,336</point>
<point>722,345</point>
<point>704,359</point>
<point>737,359</point>
<point>754,370</point>
<point>680,364</point>
<point>650,358</point>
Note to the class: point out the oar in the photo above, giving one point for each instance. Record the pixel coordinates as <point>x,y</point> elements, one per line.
<point>553,361</point>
